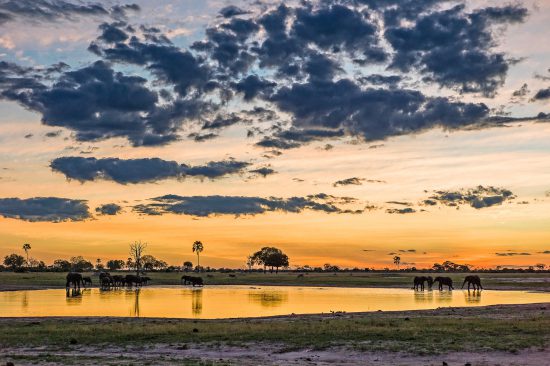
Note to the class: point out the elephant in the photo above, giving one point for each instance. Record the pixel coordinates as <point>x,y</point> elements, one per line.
<point>118,280</point>
<point>75,279</point>
<point>86,281</point>
<point>195,281</point>
<point>444,281</point>
<point>473,280</point>
<point>133,279</point>
<point>106,280</point>
<point>419,282</point>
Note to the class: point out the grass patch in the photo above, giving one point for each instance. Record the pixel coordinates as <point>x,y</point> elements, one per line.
<point>429,334</point>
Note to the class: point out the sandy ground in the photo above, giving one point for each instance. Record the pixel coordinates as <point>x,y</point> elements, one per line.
<point>265,355</point>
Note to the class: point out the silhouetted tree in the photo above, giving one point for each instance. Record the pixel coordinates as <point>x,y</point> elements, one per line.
<point>79,264</point>
<point>14,261</point>
<point>98,264</point>
<point>26,248</point>
<point>271,257</point>
<point>136,253</point>
<point>150,263</point>
<point>115,264</point>
<point>397,261</point>
<point>62,265</point>
<point>198,247</point>
<point>540,266</point>
<point>187,266</point>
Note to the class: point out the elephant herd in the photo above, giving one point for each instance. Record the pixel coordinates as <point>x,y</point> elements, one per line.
<point>472,280</point>
<point>105,280</point>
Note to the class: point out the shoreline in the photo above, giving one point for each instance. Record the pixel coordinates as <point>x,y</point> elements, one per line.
<point>10,288</point>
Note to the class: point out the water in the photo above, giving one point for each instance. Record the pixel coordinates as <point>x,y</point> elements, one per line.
<point>243,301</point>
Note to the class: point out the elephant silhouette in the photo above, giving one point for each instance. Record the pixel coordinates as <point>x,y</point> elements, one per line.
<point>444,281</point>
<point>473,280</point>
<point>418,282</point>
<point>75,279</point>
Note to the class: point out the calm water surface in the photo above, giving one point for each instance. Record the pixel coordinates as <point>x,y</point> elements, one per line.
<point>243,301</point>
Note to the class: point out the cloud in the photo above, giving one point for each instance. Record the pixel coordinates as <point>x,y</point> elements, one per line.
<point>109,209</point>
<point>542,94</point>
<point>263,171</point>
<point>511,254</point>
<point>52,209</point>
<point>407,250</point>
<point>401,203</point>
<point>135,171</point>
<point>293,138</point>
<point>454,48</point>
<point>204,206</point>
<point>479,197</point>
<point>52,10</point>
<point>349,181</point>
<point>231,11</point>
<point>401,211</point>
<point>294,61</point>
<point>544,252</point>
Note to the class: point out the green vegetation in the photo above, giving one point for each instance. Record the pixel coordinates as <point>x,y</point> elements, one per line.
<point>414,332</point>
<point>535,281</point>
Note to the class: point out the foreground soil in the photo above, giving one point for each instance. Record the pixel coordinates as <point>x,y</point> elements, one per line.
<point>494,335</point>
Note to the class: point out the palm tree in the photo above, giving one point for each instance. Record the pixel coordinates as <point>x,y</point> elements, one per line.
<point>26,248</point>
<point>198,248</point>
<point>396,261</point>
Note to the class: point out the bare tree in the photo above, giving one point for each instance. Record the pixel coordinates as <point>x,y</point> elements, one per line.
<point>137,249</point>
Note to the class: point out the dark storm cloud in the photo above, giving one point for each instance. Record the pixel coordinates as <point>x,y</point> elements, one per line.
<point>52,209</point>
<point>512,254</point>
<point>479,197</point>
<point>289,59</point>
<point>542,94</point>
<point>52,10</point>
<point>372,113</point>
<point>135,171</point>
<point>110,209</point>
<point>203,206</point>
<point>97,103</point>
<point>454,48</point>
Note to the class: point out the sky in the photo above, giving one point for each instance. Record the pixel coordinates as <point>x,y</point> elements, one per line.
<point>342,132</point>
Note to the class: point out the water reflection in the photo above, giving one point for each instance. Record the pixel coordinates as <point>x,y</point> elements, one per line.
<point>73,296</point>
<point>242,301</point>
<point>268,298</point>
<point>424,296</point>
<point>196,301</point>
<point>137,292</point>
<point>445,296</point>
<point>473,296</point>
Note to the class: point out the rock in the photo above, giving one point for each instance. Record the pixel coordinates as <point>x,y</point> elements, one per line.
<point>73,341</point>
<point>195,330</point>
